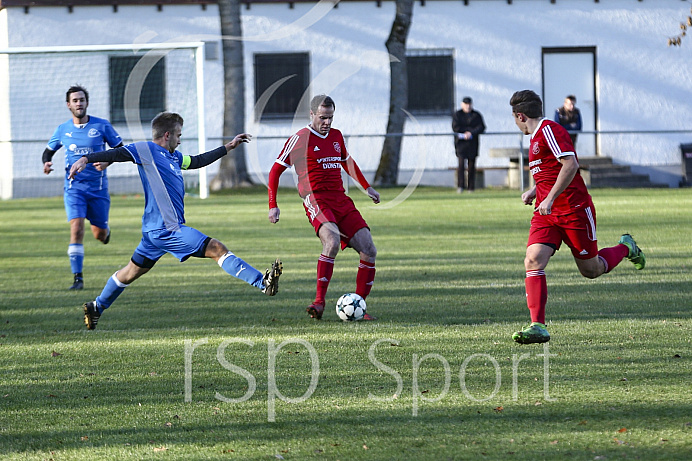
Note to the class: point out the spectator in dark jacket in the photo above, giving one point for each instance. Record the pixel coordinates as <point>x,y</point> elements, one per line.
<point>467,124</point>
<point>569,117</point>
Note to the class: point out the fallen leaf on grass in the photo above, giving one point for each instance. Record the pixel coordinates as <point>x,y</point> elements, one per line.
<point>168,424</point>
<point>55,354</point>
<point>365,447</point>
<point>621,430</point>
<point>677,356</point>
<point>554,442</point>
<point>84,438</point>
<point>582,423</point>
<point>498,409</point>
<point>160,448</point>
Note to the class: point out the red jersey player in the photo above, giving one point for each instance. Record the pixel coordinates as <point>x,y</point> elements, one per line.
<point>318,152</point>
<point>564,212</point>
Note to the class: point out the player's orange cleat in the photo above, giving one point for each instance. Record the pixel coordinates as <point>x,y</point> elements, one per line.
<point>315,310</point>
<point>367,316</point>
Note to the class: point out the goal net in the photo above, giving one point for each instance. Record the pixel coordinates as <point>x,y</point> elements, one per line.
<point>127,84</point>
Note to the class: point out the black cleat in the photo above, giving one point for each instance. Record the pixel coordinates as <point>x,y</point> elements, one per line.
<point>78,282</point>
<point>91,315</point>
<point>271,278</point>
<point>108,237</point>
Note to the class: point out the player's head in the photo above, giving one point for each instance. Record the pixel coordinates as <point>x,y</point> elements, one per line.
<point>77,98</point>
<point>77,89</point>
<point>322,113</point>
<point>526,105</point>
<point>166,129</point>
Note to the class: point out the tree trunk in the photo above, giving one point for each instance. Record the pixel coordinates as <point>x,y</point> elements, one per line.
<point>388,170</point>
<point>233,168</point>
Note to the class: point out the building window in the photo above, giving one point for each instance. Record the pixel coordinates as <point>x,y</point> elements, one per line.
<point>153,95</point>
<point>270,69</point>
<point>430,81</point>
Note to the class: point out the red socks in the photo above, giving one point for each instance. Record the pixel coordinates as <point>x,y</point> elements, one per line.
<point>325,269</point>
<point>365,278</point>
<point>536,295</point>
<point>612,256</point>
<point>537,288</point>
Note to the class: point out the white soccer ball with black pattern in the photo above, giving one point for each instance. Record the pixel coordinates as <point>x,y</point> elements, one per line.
<point>350,307</point>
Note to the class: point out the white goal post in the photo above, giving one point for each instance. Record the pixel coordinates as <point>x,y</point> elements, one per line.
<point>33,83</point>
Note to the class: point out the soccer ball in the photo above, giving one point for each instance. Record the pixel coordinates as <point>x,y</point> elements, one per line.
<point>350,307</point>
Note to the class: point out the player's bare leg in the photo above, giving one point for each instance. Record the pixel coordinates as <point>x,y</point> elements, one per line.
<point>100,234</point>
<point>591,268</point>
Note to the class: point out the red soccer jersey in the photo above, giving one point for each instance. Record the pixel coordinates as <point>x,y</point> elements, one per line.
<point>549,143</point>
<point>317,160</point>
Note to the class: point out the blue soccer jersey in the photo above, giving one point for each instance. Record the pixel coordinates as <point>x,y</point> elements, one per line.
<point>81,140</point>
<point>164,186</point>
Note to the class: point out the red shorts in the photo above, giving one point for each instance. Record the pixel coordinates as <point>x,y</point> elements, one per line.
<point>577,230</point>
<point>336,207</point>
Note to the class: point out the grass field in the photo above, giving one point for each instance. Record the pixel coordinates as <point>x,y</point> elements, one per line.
<point>192,364</point>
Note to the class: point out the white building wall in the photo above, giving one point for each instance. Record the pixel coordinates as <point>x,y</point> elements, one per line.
<point>643,85</point>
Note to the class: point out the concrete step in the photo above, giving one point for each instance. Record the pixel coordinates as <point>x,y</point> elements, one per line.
<point>602,172</point>
<point>595,161</point>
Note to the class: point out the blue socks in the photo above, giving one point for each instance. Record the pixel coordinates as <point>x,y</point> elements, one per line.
<point>76,253</point>
<point>110,293</point>
<point>228,262</point>
<point>238,268</point>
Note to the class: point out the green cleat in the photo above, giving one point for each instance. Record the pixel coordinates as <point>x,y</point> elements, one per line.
<point>534,333</point>
<point>636,255</point>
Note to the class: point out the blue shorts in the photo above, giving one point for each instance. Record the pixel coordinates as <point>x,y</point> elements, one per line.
<point>93,205</point>
<point>182,244</point>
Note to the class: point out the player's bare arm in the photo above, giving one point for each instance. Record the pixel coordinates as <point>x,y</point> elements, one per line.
<point>569,169</point>
<point>528,196</point>
<point>373,194</point>
<point>274,215</point>
<point>47,158</point>
<point>243,137</point>
<point>77,166</point>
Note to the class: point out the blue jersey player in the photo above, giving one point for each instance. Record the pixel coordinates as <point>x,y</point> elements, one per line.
<point>164,231</point>
<point>86,196</point>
